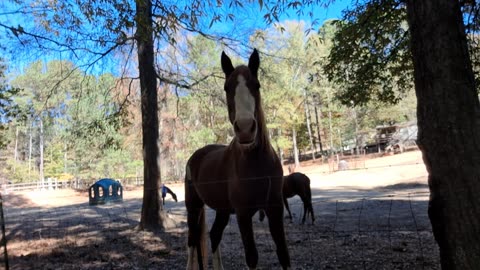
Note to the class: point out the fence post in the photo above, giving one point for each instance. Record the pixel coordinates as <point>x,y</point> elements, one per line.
<point>4,238</point>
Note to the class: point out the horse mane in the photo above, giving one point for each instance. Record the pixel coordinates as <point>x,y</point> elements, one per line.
<point>264,139</point>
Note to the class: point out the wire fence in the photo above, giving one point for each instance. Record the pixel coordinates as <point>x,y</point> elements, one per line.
<point>364,230</point>
<point>378,228</point>
<point>333,164</point>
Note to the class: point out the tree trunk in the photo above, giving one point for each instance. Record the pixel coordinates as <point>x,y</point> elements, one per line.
<point>30,142</point>
<point>332,149</point>
<point>295,148</point>
<point>176,163</point>
<point>318,130</point>
<point>151,208</point>
<point>65,158</point>
<point>307,118</point>
<point>448,112</point>
<point>40,167</point>
<point>280,150</point>
<point>356,130</point>
<point>15,154</point>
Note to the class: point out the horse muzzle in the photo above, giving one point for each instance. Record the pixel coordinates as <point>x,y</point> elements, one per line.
<point>245,131</point>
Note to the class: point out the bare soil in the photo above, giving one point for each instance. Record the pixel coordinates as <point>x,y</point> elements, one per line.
<point>372,216</point>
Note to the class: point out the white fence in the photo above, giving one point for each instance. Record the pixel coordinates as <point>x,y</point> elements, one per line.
<point>53,184</point>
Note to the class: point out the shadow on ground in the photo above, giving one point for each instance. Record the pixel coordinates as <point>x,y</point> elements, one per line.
<point>379,228</point>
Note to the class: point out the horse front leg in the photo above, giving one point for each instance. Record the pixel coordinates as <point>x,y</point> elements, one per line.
<point>275,223</point>
<point>244,219</point>
<point>216,233</point>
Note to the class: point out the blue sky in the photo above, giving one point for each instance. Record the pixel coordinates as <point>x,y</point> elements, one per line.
<point>247,19</point>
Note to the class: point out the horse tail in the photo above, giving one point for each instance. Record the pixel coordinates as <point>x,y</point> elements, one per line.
<point>308,192</point>
<point>197,227</point>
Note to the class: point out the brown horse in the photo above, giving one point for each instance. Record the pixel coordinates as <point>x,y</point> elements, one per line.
<point>240,178</point>
<point>297,184</point>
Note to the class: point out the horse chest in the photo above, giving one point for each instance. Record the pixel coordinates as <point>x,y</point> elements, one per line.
<point>253,191</point>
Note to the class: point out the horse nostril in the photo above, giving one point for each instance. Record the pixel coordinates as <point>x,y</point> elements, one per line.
<point>236,127</point>
<point>253,127</point>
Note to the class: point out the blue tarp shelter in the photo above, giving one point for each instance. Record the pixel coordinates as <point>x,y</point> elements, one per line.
<point>104,191</point>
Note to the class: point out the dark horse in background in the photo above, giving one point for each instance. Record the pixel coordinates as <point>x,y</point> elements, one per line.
<point>239,178</point>
<point>297,184</point>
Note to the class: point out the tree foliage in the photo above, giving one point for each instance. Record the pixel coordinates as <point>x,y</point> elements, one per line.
<point>82,141</point>
<point>78,119</point>
<point>8,108</point>
<point>371,55</point>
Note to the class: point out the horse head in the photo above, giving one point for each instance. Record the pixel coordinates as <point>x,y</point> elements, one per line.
<point>243,98</point>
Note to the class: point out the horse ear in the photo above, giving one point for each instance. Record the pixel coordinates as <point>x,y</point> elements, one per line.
<point>227,66</point>
<point>254,62</point>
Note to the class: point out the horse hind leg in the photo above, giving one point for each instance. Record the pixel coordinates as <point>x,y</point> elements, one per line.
<point>305,212</point>
<point>216,233</point>
<point>307,209</point>
<point>307,202</point>
<point>285,202</point>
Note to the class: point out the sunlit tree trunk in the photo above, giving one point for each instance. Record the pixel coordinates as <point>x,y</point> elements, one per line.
<point>318,130</point>
<point>280,150</point>
<point>448,112</point>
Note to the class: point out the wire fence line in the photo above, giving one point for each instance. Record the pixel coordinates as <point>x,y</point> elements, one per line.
<point>366,231</point>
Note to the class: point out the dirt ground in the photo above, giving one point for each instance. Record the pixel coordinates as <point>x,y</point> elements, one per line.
<point>372,216</point>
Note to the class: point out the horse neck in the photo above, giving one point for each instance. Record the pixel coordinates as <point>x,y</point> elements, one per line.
<point>263,140</point>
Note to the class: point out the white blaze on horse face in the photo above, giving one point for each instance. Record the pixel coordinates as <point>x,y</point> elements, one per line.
<point>244,102</point>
